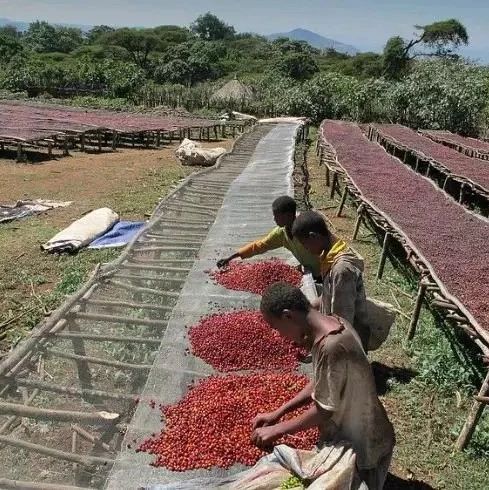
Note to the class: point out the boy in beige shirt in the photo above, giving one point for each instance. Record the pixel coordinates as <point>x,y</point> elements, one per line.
<point>345,406</point>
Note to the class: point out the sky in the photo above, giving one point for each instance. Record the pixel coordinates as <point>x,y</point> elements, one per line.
<point>366,24</point>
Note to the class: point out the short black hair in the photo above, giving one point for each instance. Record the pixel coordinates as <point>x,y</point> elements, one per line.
<point>310,222</point>
<point>282,296</point>
<point>284,204</point>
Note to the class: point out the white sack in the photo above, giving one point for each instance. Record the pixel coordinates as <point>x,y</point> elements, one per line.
<point>192,153</point>
<point>83,231</point>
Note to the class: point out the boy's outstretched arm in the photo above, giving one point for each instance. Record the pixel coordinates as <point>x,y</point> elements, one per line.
<point>275,239</point>
<point>312,417</point>
<point>224,262</point>
<point>303,397</point>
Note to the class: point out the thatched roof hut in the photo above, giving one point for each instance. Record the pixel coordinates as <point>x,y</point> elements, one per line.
<point>234,90</point>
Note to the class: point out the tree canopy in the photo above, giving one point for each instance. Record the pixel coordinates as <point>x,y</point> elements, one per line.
<point>211,28</point>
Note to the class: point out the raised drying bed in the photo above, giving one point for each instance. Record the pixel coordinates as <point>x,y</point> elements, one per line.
<point>432,228</point>
<point>464,178</point>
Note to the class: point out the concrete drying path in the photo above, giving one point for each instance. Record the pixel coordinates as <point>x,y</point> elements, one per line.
<point>244,215</point>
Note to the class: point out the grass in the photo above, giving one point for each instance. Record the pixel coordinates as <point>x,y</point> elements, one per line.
<point>33,283</point>
<point>426,384</point>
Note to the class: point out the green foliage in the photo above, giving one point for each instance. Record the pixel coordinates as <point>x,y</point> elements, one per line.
<point>138,43</point>
<point>97,32</point>
<point>42,37</point>
<point>210,28</point>
<point>442,95</point>
<point>299,66</point>
<point>395,61</point>
<point>9,46</point>
<point>444,36</point>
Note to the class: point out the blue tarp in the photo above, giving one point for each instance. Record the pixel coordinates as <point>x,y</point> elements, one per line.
<point>119,235</point>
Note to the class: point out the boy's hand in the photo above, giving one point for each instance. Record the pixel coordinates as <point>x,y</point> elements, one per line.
<point>264,419</point>
<point>266,436</point>
<point>223,262</point>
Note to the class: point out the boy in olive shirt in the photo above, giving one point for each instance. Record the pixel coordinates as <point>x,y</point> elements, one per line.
<point>284,212</point>
<point>343,292</point>
<point>345,406</point>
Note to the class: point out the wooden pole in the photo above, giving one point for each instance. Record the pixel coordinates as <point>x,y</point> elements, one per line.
<point>417,310</point>
<point>67,390</point>
<point>343,201</point>
<point>358,221</point>
<point>55,453</point>
<point>98,360</point>
<point>97,418</point>
<point>114,140</point>
<point>7,484</point>
<point>473,417</point>
<point>89,437</point>
<point>333,184</point>
<point>383,257</point>
<point>110,338</point>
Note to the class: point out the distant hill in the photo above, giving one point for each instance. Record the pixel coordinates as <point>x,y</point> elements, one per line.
<point>23,26</point>
<point>315,40</point>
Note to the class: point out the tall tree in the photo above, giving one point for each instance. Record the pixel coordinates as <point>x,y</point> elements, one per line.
<point>43,37</point>
<point>395,61</point>
<point>139,43</point>
<point>439,39</point>
<point>210,28</point>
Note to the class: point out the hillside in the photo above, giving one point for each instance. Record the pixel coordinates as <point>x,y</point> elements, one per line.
<point>315,40</point>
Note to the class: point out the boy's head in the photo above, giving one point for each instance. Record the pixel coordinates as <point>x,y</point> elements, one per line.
<point>284,209</point>
<point>311,230</point>
<point>285,309</point>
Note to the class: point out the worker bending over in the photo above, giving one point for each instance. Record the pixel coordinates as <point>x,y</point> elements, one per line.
<point>284,210</point>
<point>345,406</point>
<point>343,291</point>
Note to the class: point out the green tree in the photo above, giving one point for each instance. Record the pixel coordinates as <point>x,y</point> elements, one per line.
<point>171,35</point>
<point>138,43</point>
<point>442,37</point>
<point>395,61</point>
<point>43,37</point>
<point>439,39</point>
<point>9,47</point>
<point>296,65</point>
<point>210,28</point>
<point>95,33</point>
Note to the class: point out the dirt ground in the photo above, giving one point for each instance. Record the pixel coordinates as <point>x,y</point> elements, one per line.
<point>32,282</point>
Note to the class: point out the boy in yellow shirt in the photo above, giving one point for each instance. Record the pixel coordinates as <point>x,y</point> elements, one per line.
<point>284,210</point>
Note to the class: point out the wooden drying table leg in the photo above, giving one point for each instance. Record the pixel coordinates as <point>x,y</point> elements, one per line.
<point>343,201</point>
<point>358,221</point>
<point>383,257</point>
<point>474,416</point>
<point>417,310</point>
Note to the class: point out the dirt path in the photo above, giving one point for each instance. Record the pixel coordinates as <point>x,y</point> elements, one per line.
<point>32,282</point>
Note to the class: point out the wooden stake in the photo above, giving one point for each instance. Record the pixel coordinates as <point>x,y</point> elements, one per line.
<point>98,418</point>
<point>89,437</point>
<point>383,257</point>
<point>55,453</point>
<point>473,417</point>
<point>417,310</point>
<point>73,449</point>
<point>98,360</point>
<point>358,221</point>
<point>7,484</point>
<point>333,185</point>
<point>109,338</point>
<point>54,388</point>
<point>343,201</point>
